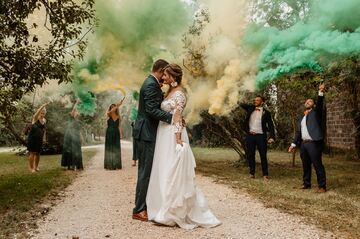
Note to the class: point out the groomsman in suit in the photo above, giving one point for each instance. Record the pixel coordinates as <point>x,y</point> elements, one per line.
<point>309,137</point>
<point>258,123</point>
<point>144,133</point>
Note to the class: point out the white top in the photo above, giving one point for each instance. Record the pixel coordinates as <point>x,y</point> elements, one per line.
<point>304,130</point>
<point>255,121</point>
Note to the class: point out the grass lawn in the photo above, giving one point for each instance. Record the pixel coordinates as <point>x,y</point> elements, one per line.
<point>338,210</point>
<point>22,193</point>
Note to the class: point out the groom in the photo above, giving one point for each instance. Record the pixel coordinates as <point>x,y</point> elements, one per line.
<point>144,133</point>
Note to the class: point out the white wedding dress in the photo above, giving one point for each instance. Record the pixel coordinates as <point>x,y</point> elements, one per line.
<point>173,197</point>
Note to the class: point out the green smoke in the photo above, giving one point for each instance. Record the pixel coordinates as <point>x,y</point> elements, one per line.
<point>136,95</point>
<point>83,87</point>
<point>133,113</point>
<point>130,35</point>
<point>142,27</point>
<point>332,31</point>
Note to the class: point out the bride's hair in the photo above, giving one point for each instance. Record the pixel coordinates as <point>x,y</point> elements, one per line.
<point>175,71</point>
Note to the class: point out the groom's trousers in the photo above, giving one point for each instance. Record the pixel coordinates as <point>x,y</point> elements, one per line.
<point>145,154</point>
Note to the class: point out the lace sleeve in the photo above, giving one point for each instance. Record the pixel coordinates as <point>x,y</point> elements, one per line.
<point>180,100</point>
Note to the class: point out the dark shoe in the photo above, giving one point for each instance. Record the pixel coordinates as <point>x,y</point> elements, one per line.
<point>142,216</point>
<point>322,190</point>
<point>303,187</point>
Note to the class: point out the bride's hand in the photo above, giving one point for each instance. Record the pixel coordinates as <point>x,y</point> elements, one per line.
<point>179,141</point>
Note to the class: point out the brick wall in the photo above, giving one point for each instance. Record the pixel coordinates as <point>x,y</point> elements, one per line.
<point>340,128</point>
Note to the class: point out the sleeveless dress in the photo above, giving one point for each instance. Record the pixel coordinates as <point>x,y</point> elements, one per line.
<point>71,155</point>
<point>112,145</point>
<point>35,137</point>
<point>173,197</point>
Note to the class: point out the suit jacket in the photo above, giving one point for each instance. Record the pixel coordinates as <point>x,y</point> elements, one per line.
<point>149,111</point>
<point>267,124</point>
<point>314,122</point>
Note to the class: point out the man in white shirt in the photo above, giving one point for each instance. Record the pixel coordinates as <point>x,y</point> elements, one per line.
<point>309,136</point>
<point>258,124</point>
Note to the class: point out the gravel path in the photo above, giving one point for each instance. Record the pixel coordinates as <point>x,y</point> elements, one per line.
<point>99,205</point>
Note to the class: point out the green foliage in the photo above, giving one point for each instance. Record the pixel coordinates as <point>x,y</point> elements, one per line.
<point>279,13</point>
<point>24,62</point>
<point>194,56</point>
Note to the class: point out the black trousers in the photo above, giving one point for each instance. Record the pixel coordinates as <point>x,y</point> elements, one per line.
<point>145,154</point>
<point>259,141</point>
<point>311,153</point>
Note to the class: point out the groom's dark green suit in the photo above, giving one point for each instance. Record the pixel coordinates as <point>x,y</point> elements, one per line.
<point>144,134</point>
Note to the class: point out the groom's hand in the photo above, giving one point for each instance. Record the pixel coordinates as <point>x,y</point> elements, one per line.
<point>183,122</point>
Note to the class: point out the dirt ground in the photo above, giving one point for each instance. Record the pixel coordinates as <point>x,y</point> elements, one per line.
<point>99,205</point>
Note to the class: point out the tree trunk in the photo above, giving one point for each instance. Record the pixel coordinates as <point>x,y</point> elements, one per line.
<point>225,133</point>
<point>236,144</point>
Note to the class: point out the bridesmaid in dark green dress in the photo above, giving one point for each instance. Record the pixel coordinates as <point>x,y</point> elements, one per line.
<point>35,138</point>
<point>72,156</point>
<point>112,139</point>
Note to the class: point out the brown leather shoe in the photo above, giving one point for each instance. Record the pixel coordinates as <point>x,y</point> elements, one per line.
<point>142,216</point>
<point>322,190</point>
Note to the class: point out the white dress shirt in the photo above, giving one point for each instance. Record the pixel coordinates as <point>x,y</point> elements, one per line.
<point>255,121</point>
<point>304,130</point>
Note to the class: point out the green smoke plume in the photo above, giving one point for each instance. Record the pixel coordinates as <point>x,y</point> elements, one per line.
<point>331,31</point>
<point>83,87</point>
<point>130,35</point>
<point>135,22</point>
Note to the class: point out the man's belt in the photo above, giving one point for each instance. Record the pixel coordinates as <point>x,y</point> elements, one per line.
<point>305,141</point>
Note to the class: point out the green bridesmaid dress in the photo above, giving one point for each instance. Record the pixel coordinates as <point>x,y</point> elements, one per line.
<point>112,145</point>
<point>71,155</point>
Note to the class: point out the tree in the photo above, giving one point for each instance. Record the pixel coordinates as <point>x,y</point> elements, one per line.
<point>230,129</point>
<point>24,62</point>
<point>279,13</point>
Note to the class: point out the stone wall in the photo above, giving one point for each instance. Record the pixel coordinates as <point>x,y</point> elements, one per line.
<point>340,127</point>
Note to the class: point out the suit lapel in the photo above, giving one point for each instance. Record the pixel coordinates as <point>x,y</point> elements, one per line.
<point>154,79</point>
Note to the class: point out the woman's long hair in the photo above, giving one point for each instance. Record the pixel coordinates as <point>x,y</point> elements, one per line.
<point>116,111</point>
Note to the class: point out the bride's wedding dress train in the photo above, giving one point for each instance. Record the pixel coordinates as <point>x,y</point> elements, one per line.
<point>173,197</point>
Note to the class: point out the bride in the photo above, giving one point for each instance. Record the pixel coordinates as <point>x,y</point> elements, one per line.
<point>173,197</point>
